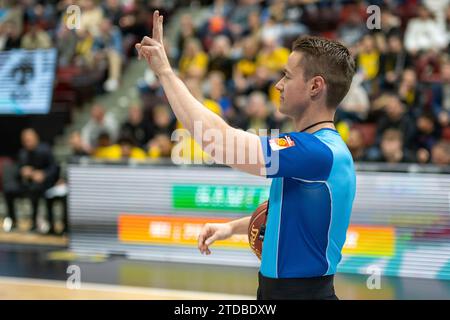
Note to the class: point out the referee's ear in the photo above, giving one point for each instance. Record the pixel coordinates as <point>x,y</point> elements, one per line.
<point>317,87</point>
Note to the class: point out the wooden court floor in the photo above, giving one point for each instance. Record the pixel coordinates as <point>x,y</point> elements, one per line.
<point>31,289</point>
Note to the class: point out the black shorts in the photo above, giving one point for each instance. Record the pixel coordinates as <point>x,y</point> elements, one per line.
<point>318,288</point>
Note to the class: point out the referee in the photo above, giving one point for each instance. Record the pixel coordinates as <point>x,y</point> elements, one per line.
<point>313,178</point>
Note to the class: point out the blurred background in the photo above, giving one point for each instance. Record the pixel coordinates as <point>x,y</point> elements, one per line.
<point>90,195</point>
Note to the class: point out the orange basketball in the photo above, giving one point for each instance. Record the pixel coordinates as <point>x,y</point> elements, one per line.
<point>256,221</point>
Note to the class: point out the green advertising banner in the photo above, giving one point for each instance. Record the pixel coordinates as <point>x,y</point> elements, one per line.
<point>218,197</point>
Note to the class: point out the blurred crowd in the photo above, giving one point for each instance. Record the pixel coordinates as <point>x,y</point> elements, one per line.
<point>91,34</point>
<point>231,54</point>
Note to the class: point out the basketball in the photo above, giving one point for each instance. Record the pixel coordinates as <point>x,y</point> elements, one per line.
<point>257,220</point>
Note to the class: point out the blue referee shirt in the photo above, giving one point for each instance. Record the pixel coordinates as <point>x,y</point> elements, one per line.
<point>310,203</point>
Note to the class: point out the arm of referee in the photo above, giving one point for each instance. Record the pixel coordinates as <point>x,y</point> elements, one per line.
<point>237,148</point>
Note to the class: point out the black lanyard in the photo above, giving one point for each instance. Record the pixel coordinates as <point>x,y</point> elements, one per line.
<point>316,124</point>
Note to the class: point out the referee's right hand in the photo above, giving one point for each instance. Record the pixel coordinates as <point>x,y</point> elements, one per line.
<point>212,232</point>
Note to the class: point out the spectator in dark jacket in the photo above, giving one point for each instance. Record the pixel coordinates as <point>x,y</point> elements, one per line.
<point>427,134</point>
<point>391,148</point>
<point>136,127</point>
<point>395,116</point>
<point>36,172</point>
<point>393,62</point>
<point>441,96</point>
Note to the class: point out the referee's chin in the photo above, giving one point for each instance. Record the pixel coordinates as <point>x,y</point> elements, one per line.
<point>283,109</point>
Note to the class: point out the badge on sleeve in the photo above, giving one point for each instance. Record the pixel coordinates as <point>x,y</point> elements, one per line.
<point>281,143</point>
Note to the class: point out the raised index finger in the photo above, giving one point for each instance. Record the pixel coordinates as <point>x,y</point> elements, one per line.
<point>157,27</point>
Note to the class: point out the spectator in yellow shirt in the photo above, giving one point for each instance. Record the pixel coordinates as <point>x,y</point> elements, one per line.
<point>194,61</point>
<point>160,146</point>
<point>369,58</point>
<point>272,56</point>
<point>246,66</point>
<point>124,150</point>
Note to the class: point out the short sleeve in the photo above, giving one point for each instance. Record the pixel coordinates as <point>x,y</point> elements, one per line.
<point>297,155</point>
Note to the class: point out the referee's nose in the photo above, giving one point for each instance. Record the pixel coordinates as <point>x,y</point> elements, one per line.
<point>280,85</point>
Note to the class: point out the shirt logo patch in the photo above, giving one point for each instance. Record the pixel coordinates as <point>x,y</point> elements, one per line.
<point>281,143</point>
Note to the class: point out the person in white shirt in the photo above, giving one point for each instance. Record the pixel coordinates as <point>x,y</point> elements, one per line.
<point>100,122</point>
<point>424,33</point>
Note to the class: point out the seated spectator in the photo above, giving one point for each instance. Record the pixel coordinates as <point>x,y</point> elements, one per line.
<point>428,133</point>
<point>352,30</point>
<point>424,33</point>
<point>246,64</point>
<point>129,150</point>
<point>163,121</point>
<point>393,62</point>
<point>108,47</point>
<point>11,36</point>
<point>66,43</point>
<point>427,66</point>
<point>271,56</point>
<point>238,16</point>
<point>215,90</point>
<point>41,12</point>
<point>261,81</point>
<point>91,18</point>
<point>114,10</point>
<point>285,26</point>
<point>134,22</point>
<point>37,171</point>
<point>78,149</point>
<point>390,21</point>
<point>103,144</point>
<point>13,11</point>
<point>441,96</point>
<point>215,26</point>
<point>219,57</point>
<point>368,62</point>
<point>253,28</point>
<point>391,148</point>
<point>194,61</point>
<point>440,153</point>
<point>83,51</point>
<point>219,8</point>
<point>271,30</point>
<point>187,31</point>
<point>355,144</point>
<point>100,122</point>
<point>395,117</point>
<point>355,105</point>
<point>160,147</point>
<point>125,149</point>
<point>136,127</point>
<point>35,38</point>
<point>411,93</point>
<point>257,112</point>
